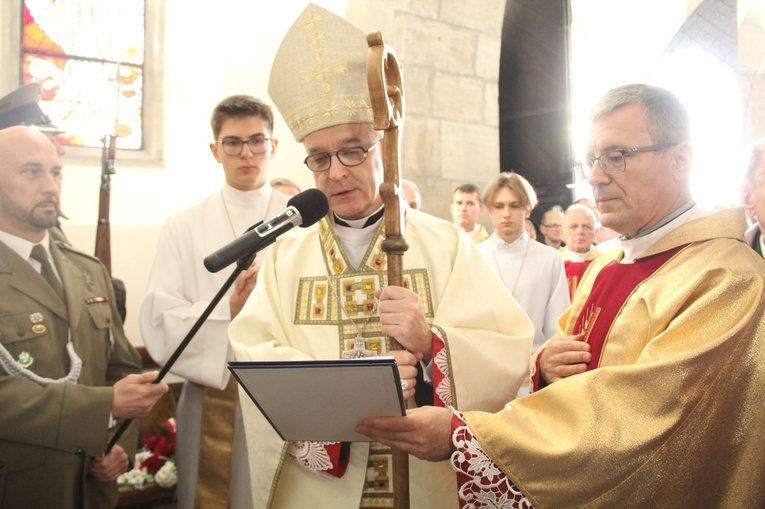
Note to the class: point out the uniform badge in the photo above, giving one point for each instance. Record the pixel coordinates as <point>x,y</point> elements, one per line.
<point>88,280</point>
<point>25,360</point>
<point>37,322</point>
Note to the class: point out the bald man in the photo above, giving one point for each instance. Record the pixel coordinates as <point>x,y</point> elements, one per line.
<point>68,369</point>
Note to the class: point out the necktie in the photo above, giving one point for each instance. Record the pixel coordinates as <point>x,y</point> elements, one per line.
<point>39,254</point>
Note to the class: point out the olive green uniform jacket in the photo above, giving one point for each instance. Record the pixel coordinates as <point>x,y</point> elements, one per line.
<point>50,433</point>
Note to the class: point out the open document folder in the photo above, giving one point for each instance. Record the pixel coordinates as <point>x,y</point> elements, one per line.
<point>322,400</point>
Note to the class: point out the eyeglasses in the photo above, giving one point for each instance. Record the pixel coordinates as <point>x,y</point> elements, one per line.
<point>233,146</point>
<point>614,161</point>
<point>551,225</point>
<point>350,156</point>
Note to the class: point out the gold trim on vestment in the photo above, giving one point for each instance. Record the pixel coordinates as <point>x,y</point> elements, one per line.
<point>216,443</point>
<point>355,288</point>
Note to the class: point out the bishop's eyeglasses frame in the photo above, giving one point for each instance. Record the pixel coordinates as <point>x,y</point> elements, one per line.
<point>348,156</point>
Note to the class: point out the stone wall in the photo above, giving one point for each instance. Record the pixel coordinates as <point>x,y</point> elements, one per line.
<point>449,51</point>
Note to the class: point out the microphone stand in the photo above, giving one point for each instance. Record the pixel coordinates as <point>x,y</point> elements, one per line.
<point>241,265</point>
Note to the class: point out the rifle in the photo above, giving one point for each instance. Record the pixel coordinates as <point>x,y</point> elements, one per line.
<point>103,232</point>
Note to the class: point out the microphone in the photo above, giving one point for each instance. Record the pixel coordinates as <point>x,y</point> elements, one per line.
<point>303,209</point>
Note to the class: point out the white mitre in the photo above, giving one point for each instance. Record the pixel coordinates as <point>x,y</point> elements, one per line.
<point>319,77</point>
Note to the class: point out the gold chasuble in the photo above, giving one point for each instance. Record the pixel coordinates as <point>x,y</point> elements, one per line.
<point>671,416</point>
<point>311,303</point>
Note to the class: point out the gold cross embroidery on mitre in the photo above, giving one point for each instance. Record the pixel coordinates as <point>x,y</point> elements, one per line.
<point>324,71</point>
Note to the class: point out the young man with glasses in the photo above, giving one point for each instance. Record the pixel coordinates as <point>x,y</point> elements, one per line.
<point>180,288</point>
<point>655,399</point>
<point>323,293</point>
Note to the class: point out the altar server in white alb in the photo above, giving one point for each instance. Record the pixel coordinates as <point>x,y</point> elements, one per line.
<point>532,271</point>
<point>212,462</point>
<point>322,290</point>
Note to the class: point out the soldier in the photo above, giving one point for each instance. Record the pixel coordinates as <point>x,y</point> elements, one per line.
<point>68,369</point>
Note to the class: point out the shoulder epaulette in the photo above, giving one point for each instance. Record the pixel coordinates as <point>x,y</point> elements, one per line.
<point>63,246</point>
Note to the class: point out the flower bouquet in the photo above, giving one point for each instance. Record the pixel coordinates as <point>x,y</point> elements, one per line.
<point>154,462</point>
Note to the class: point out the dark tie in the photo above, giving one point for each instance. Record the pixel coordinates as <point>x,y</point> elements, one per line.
<point>41,255</point>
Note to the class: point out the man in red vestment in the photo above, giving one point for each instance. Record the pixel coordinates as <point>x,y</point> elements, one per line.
<point>651,394</point>
<point>578,251</point>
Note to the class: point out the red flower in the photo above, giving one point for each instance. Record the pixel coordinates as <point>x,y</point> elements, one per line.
<point>161,445</point>
<point>152,463</point>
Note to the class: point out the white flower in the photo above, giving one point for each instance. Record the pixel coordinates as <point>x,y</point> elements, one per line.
<point>136,478</point>
<point>141,455</point>
<point>167,475</point>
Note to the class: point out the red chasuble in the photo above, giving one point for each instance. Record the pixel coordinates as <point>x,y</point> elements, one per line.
<point>574,272</point>
<point>612,286</point>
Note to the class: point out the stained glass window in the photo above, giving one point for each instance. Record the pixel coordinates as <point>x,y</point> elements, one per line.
<point>88,56</point>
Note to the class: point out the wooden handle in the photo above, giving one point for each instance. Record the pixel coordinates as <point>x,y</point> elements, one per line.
<point>387,93</point>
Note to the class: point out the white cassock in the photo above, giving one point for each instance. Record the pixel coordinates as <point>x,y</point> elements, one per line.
<point>535,275</point>
<point>179,290</point>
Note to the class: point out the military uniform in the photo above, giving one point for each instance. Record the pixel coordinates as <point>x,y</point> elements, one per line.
<point>49,433</point>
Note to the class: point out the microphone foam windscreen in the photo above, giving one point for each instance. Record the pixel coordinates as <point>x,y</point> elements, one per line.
<point>312,205</point>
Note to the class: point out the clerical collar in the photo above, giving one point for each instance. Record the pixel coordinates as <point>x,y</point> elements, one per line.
<point>633,248</point>
<point>674,215</point>
<point>360,223</point>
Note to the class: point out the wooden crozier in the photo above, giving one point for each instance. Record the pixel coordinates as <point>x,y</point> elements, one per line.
<point>387,93</point>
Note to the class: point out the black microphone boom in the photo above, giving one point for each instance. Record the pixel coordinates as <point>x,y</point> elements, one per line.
<point>303,209</point>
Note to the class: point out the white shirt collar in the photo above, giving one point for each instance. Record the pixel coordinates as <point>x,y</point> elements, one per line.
<point>633,248</point>
<point>577,257</point>
<point>520,241</point>
<point>23,247</point>
<point>245,198</point>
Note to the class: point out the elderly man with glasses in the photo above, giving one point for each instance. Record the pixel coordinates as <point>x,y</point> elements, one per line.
<point>323,294</point>
<point>657,400</point>
<point>214,471</point>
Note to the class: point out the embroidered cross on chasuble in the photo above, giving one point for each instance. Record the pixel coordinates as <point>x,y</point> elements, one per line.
<point>345,297</point>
